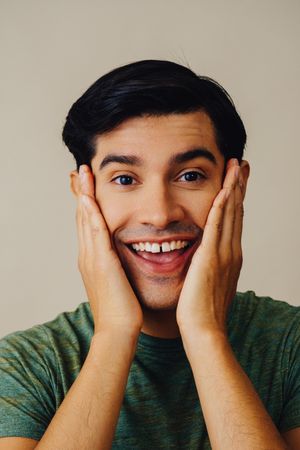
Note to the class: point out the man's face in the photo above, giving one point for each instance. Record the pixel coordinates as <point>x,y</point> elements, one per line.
<point>158,194</point>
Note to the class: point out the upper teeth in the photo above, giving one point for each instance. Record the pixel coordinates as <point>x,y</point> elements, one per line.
<point>155,247</point>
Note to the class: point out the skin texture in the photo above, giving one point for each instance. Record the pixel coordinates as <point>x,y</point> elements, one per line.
<point>191,301</point>
<point>159,202</point>
<point>193,298</point>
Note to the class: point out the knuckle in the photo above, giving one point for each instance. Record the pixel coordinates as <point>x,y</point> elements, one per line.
<point>227,259</point>
<point>95,230</point>
<point>238,259</point>
<point>212,261</point>
<point>218,206</point>
<point>215,225</point>
<point>240,208</point>
<point>84,222</point>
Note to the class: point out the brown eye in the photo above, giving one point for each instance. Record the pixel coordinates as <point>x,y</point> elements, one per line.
<point>124,180</point>
<point>193,176</point>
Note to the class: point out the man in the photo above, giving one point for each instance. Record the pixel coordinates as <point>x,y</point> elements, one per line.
<point>165,354</point>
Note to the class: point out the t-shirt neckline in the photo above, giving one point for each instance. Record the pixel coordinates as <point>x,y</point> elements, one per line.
<point>174,344</point>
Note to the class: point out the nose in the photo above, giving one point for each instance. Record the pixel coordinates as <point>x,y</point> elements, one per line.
<point>160,207</point>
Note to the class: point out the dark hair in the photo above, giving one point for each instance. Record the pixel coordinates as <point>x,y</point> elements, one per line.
<point>150,87</point>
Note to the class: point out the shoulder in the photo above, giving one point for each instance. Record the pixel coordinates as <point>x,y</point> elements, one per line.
<point>265,317</point>
<point>251,305</point>
<point>44,340</point>
<point>71,327</point>
<point>37,367</point>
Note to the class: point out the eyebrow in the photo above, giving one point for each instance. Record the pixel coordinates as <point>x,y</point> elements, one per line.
<point>179,158</point>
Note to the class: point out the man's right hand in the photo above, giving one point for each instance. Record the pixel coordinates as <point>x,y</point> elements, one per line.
<point>88,415</point>
<point>113,303</point>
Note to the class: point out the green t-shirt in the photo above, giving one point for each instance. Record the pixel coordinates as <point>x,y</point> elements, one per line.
<point>161,408</point>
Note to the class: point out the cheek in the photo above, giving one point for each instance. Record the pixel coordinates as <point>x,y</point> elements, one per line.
<point>113,213</point>
<point>200,207</point>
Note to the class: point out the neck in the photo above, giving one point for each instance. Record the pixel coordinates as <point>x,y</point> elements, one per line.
<point>160,324</point>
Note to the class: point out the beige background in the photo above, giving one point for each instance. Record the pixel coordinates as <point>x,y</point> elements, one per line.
<point>51,51</point>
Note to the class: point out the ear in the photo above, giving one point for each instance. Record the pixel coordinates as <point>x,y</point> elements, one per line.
<point>245,172</point>
<point>74,182</point>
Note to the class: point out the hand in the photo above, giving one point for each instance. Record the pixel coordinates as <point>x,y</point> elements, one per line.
<point>113,303</point>
<point>212,278</point>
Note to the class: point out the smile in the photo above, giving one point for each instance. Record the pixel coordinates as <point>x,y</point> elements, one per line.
<point>167,257</point>
<point>156,247</point>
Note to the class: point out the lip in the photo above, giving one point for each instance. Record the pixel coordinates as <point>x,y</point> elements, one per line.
<point>178,264</point>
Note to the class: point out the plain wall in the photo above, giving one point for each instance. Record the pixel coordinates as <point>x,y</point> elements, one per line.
<point>51,51</point>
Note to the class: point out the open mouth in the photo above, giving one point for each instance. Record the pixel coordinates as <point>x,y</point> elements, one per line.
<point>162,257</point>
<point>155,251</point>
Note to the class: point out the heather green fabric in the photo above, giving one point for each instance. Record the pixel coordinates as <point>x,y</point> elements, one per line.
<point>161,408</point>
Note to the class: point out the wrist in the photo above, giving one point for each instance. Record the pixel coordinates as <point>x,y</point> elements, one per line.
<point>120,331</point>
<point>204,333</point>
<point>204,340</point>
<point>118,341</point>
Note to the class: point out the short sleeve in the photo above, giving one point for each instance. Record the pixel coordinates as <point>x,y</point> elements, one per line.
<point>290,417</point>
<point>27,384</point>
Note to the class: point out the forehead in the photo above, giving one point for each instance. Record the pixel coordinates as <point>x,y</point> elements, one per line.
<point>158,137</point>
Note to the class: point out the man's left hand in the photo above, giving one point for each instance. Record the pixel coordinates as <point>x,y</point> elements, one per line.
<point>212,278</point>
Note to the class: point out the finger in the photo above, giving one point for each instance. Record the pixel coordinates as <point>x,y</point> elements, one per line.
<point>225,247</point>
<point>231,176</point>
<point>79,223</point>
<point>95,231</point>
<point>213,226</point>
<point>87,184</point>
<point>232,162</point>
<point>238,223</point>
<point>80,219</point>
<point>227,226</point>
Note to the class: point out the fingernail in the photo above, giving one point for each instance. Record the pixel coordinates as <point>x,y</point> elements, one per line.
<point>82,172</point>
<point>231,162</point>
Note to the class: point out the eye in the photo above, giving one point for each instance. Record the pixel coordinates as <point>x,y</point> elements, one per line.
<point>124,180</point>
<point>193,176</point>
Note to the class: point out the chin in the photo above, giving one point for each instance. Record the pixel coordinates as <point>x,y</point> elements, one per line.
<point>161,298</point>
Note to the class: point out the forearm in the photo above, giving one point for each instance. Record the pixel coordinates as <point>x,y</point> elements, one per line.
<point>87,417</point>
<point>234,414</point>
